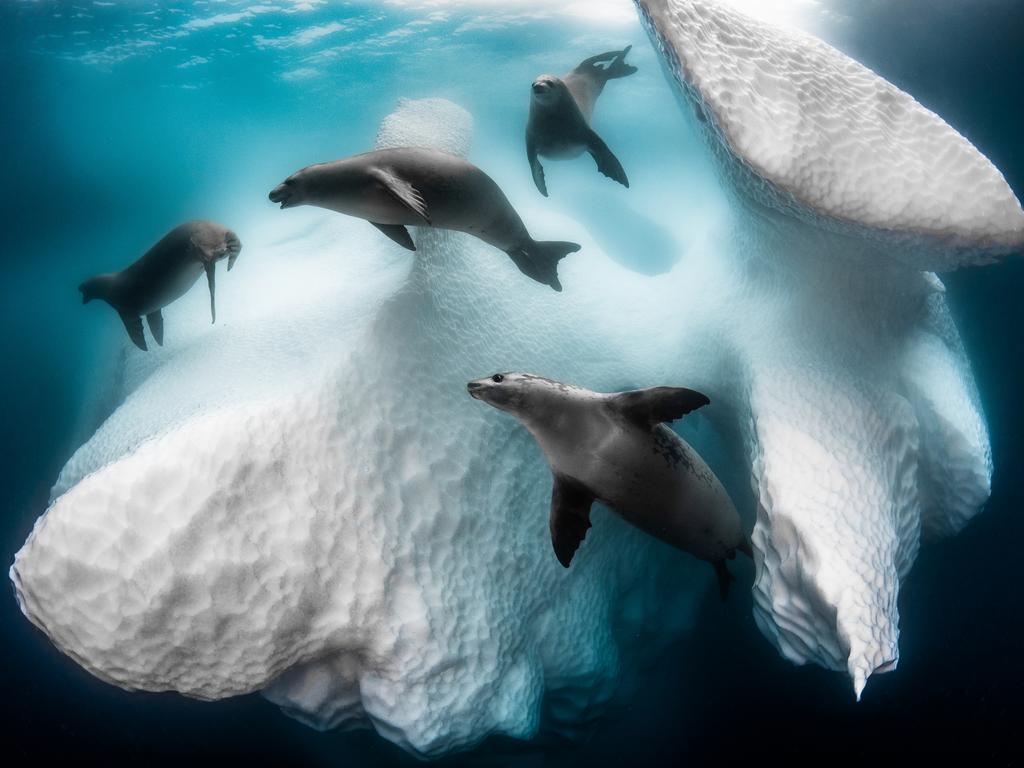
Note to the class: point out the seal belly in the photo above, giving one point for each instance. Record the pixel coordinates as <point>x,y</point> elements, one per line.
<point>658,483</point>
<point>562,150</point>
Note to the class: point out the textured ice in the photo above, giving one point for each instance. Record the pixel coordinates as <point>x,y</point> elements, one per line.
<point>822,134</point>
<point>355,539</point>
<point>863,424</point>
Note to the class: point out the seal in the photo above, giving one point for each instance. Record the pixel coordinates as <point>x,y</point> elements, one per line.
<point>163,274</point>
<point>395,188</point>
<point>615,448</point>
<point>560,112</point>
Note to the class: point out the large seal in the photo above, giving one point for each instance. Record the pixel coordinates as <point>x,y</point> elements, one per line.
<point>614,448</point>
<point>394,188</point>
<point>560,112</point>
<point>162,274</point>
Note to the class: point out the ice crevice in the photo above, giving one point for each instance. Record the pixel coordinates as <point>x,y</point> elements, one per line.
<point>302,500</point>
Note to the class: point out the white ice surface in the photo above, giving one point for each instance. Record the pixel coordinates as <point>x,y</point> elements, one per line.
<point>823,132</point>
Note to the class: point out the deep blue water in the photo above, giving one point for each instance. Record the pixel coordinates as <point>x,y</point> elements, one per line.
<point>101,152</point>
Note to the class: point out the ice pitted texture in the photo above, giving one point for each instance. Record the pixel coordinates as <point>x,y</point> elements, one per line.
<point>863,422</point>
<point>824,132</point>
<point>838,517</point>
<point>956,462</point>
<point>360,540</point>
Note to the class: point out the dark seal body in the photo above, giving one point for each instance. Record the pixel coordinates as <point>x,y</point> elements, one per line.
<point>163,274</point>
<point>396,188</point>
<point>560,114</point>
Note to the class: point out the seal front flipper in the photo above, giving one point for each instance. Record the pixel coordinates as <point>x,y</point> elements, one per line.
<point>403,192</point>
<point>570,517</point>
<point>211,277</point>
<point>398,233</point>
<point>156,326</point>
<point>648,407</point>
<point>607,163</point>
<point>536,168</point>
<point>133,324</point>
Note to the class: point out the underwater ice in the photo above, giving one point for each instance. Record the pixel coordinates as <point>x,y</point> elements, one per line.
<point>863,424</point>
<point>303,501</point>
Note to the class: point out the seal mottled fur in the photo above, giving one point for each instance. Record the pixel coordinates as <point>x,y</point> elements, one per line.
<point>615,448</point>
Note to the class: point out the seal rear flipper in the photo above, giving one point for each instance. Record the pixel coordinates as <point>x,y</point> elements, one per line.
<point>616,68</point>
<point>536,168</point>
<point>133,324</point>
<point>404,192</point>
<point>648,407</point>
<point>539,260</point>
<point>156,326</point>
<point>570,517</point>
<point>607,163</point>
<point>398,233</point>
<point>619,68</point>
<point>724,579</point>
<point>211,278</point>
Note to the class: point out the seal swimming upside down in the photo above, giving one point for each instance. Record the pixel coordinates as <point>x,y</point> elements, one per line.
<point>395,188</point>
<point>615,448</point>
<point>163,274</point>
<point>560,112</point>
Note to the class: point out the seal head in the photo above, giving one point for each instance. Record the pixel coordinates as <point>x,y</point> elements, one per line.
<point>548,90</point>
<point>502,390</point>
<point>517,393</point>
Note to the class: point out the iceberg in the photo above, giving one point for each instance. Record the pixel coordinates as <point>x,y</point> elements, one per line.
<point>302,501</point>
<point>862,420</point>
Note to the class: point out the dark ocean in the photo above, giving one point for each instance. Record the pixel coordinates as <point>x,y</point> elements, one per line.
<point>76,133</point>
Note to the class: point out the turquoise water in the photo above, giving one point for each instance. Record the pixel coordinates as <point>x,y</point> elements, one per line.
<point>120,120</point>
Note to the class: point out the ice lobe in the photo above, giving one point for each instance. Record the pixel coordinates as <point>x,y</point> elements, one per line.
<point>862,420</point>
<point>822,134</point>
<point>333,521</point>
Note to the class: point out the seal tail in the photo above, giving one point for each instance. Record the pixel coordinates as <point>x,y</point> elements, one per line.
<point>619,68</point>
<point>539,260</point>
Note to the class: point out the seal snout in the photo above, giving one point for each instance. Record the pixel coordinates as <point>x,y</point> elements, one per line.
<point>281,194</point>
<point>475,389</point>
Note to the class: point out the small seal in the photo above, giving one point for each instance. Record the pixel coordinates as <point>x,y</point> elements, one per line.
<point>615,448</point>
<point>560,112</point>
<point>163,274</point>
<point>395,188</point>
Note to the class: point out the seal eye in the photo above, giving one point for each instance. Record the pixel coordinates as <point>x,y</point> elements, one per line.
<point>497,378</point>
